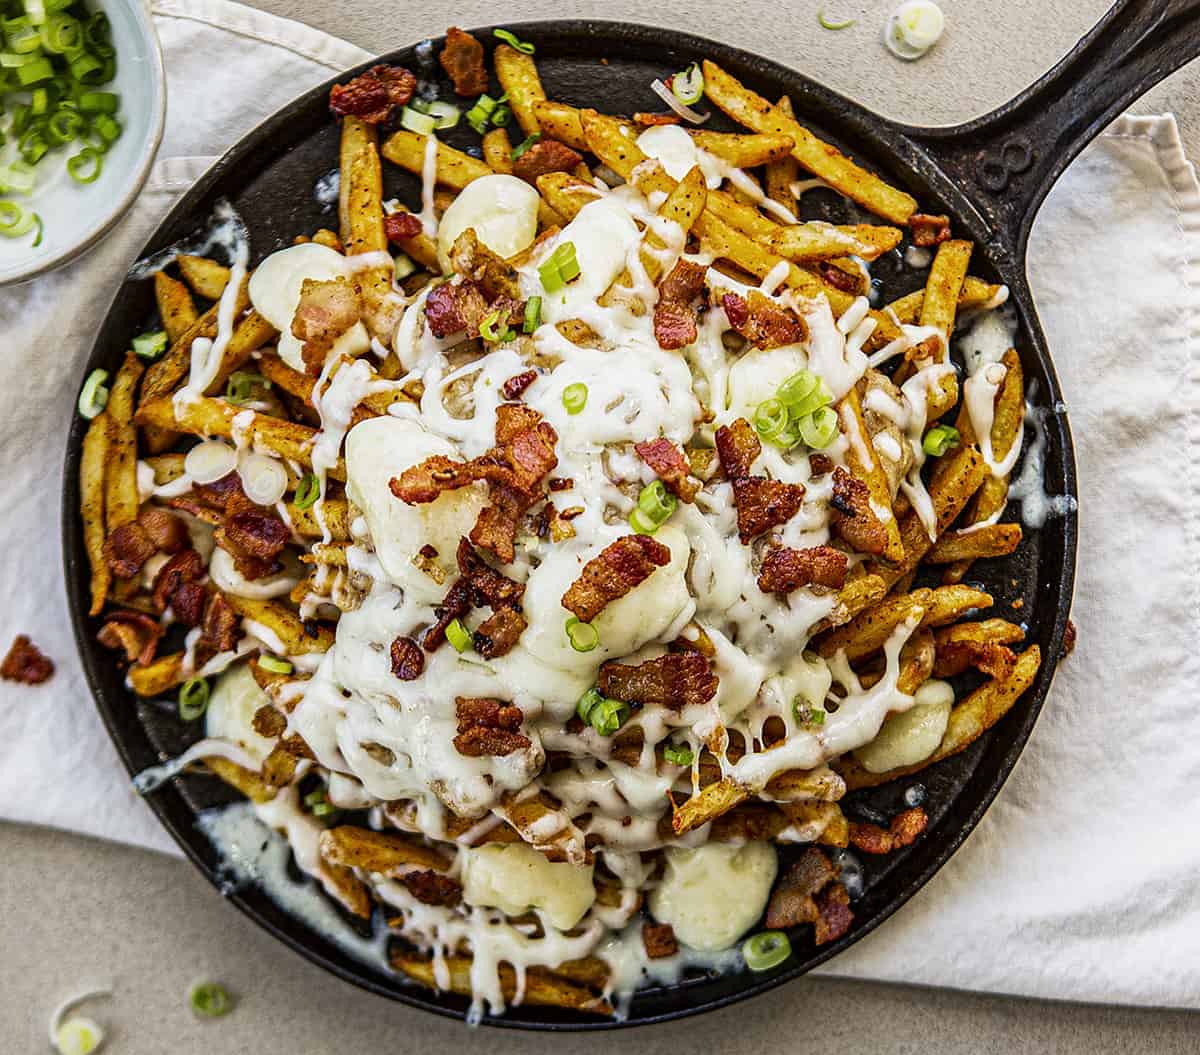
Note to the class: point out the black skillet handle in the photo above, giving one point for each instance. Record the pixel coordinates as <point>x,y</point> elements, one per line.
<point>1006,161</point>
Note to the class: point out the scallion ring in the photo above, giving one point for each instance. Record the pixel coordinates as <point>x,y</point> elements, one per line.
<point>85,166</point>
<point>678,756</point>
<point>193,699</point>
<point>818,429</point>
<point>575,397</point>
<point>492,329</point>
<point>588,703</point>
<point>150,345</point>
<point>657,502</point>
<point>415,121</point>
<point>501,117</point>
<point>609,715</point>
<point>458,635</point>
<point>244,386</point>
<point>583,636</point>
<point>771,420</point>
<point>308,490</point>
<point>210,1000</point>
<point>767,949</point>
<point>939,439</point>
<point>533,315</point>
<point>94,395</point>
<point>688,85</point>
<point>523,46</point>
<point>525,144</point>
<point>274,664</point>
<point>826,23</point>
<point>641,523</point>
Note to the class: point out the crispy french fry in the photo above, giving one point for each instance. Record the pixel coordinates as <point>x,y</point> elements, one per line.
<point>92,464</point>
<point>822,241</point>
<point>205,276</point>
<point>250,334</point>
<point>120,475</point>
<point>529,818</point>
<point>298,637</point>
<point>497,151</point>
<point>947,604</point>
<point>864,464</point>
<point>856,596</point>
<point>994,540</point>
<point>743,150</point>
<point>421,248</point>
<point>565,194</point>
<point>782,173</point>
<point>944,286</point>
<point>869,630</point>
<point>167,467</point>
<point>360,213</point>
<point>287,378</point>
<point>336,512</point>
<point>707,805</point>
<point>175,305</point>
<point>560,121</point>
<point>158,677</point>
<point>454,168</point>
<point>974,294</point>
<point>818,157</point>
<point>796,785</point>
<point>385,853</point>
<point>350,891</point>
<point>324,236</point>
<point>986,631</point>
<point>249,784</point>
<point>518,76</point>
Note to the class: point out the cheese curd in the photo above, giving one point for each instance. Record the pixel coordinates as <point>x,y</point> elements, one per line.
<point>503,211</point>
<point>231,707</point>
<point>911,737</point>
<point>516,878</point>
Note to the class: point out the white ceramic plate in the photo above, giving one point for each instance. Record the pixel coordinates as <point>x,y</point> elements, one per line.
<point>76,216</point>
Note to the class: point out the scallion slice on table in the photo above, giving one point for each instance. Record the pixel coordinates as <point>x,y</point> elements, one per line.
<point>210,1000</point>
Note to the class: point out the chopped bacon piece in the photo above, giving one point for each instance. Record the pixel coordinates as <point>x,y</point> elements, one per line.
<point>488,727</point>
<point>548,155</point>
<point>990,657</point>
<point>763,504</point>
<point>497,634</point>
<point>928,230</point>
<point>327,309</point>
<point>166,531</point>
<point>127,548</point>
<point>512,420</point>
<point>839,279</point>
<point>220,493</point>
<point>462,59</point>
<point>407,659</point>
<point>454,308</point>
<point>784,569</point>
<point>670,465</point>
<point>676,680</point>
<point>187,603</point>
<point>761,321</point>
<point>496,278</point>
<point>253,538</point>
<point>184,567</point>
<point>853,518</point>
<point>792,901</point>
<point>659,940</point>
<point>903,831</point>
<point>220,626</point>
<point>833,904</point>
<point>488,588</point>
<point>647,119</point>
<point>610,575</point>
<point>455,605</point>
<point>26,663</point>
<point>432,888</point>
<point>820,464</point>
<point>372,95</point>
<point>737,447</point>
<point>515,386</point>
<point>134,632</point>
<point>530,456</point>
<point>496,528</point>
<point>674,315</point>
<point>400,226</point>
<point>423,482</point>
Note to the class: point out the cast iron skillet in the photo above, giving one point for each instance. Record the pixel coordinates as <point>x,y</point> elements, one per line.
<point>990,175</point>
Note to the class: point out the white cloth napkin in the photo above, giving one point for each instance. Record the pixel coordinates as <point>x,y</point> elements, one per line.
<point>1079,883</point>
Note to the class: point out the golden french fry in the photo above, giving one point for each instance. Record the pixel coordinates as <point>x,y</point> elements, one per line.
<point>287,378</point>
<point>782,173</point>
<point>249,784</point>
<point>707,805</point>
<point>497,151</point>
<point>386,853</point>
<point>565,194</point>
<point>986,631</point>
<point>815,155</point>
<point>994,540</point>
<point>120,477</point>
<point>167,467</point>
<point>350,891</point>
<point>337,517</point>
<point>822,241</point>
<point>869,630</point>
<point>531,818</point>
<point>92,464</point>
<point>454,168</point>
<point>360,213</point>
<point>206,277</point>
<point>743,150</point>
<point>298,637</point>
<point>856,596</point>
<point>421,248</point>
<point>175,306</point>
<point>864,464</point>
<point>158,677</point>
<point>560,121</point>
<point>974,294</point>
<point>250,334</point>
<point>518,76</point>
<point>947,604</point>
<point>944,286</point>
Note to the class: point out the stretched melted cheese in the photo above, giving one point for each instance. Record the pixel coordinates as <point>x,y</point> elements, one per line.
<point>712,895</point>
<point>515,878</point>
<point>230,714</point>
<point>911,737</point>
<point>376,451</point>
<point>503,211</point>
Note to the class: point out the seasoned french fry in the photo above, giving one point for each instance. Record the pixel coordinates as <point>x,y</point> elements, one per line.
<point>421,248</point>
<point>343,885</point>
<point>742,150</point>
<point>974,294</point>
<point>298,637</point>
<point>783,172</point>
<point>707,805</point>
<point>856,596</point>
<point>120,477</point>
<point>497,151</point>
<point>518,76</point>
<point>386,853</point>
<point>944,286</point>
<point>92,464</point>
<point>250,334</point>
<point>287,378</point>
<point>864,464</point>
<point>565,194</point>
<point>249,784</point>
<point>945,604</point>
<point>336,512</point>
<point>205,276</point>
<point>167,467</point>
<point>815,155</point>
<point>175,306</point>
<point>530,818</point>
<point>158,677</point>
<point>986,631</point>
<point>867,631</point>
<point>454,168</point>
<point>994,540</point>
<point>560,121</point>
<point>822,241</point>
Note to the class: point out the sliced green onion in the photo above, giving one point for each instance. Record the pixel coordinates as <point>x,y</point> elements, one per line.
<point>678,756</point>
<point>491,329</point>
<point>533,315</point>
<point>415,121</point>
<point>308,490</point>
<point>609,715</point>
<point>78,165</point>
<point>458,635</point>
<point>86,68</point>
<point>826,23</point>
<point>314,797</point>
<point>525,144</point>
<point>37,238</point>
<point>939,439</point>
<point>193,699</point>
<point>61,34</point>
<point>575,397</point>
<point>78,1036</point>
<point>94,394</point>
<point>588,702</point>
<point>657,502</point>
<point>96,32</point>
<point>11,60</point>
<point>523,46</point>
<point>150,345</point>
<point>480,114</point>
<point>445,115</point>
<point>15,221</point>
<point>35,10</point>
<point>210,1000</point>
<point>107,128</point>
<point>688,85</point>
<point>99,102</point>
<point>767,949</point>
<point>641,523</point>
<point>323,809</point>
<point>16,178</point>
<point>404,266</point>
<point>63,126</point>
<point>771,419</point>
<point>559,268</point>
<point>318,805</point>
<point>818,429</point>
<point>275,665</point>
<point>244,386</point>
<point>33,145</point>
<point>39,101</point>
<point>21,114</point>
<point>583,636</point>
<point>807,714</point>
<point>501,116</point>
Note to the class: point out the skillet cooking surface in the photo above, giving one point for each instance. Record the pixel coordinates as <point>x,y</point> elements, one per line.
<point>269,177</point>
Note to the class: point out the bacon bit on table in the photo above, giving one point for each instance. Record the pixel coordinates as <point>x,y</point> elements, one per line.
<point>26,663</point>
<point>612,573</point>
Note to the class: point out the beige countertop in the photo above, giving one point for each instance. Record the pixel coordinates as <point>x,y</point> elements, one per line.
<point>74,911</point>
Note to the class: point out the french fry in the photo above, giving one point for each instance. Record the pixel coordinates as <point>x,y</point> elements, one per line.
<point>167,467</point>
<point>249,784</point>
<point>944,286</point>
<point>565,194</point>
<point>421,248</point>
<point>497,151</point>
<point>529,818</point>
<point>175,305</point>
<point>994,540</point>
<point>864,464</point>
<point>518,76</point>
<point>560,121</point>
<point>454,168</point>
<point>783,172</point>
<point>158,677</point>
<point>360,214</point>
<point>869,630</point>
<point>856,596</point>
<point>324,236</point>
<point>206,277</point>
<point>336,512</point>
<point>822,241</point>
<point>986,631</point>
<point>974,294</point>
<point>120,477</point>
<point>298,637</point>
<point>742,150</point>
<point>250,334</point>
<point>346,888</point>
<point>946,604</point>
<point>92,464</point>
<point>385,853</point>
<point>818,157</point>
<point>287,378</point>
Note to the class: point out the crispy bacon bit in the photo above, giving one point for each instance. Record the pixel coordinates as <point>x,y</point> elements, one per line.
<point>990,657</point>
<point>184,567</point>
<point>462,59</point>
<point>659,940</point>
<point>737,447</point>
<point>903,831</point>
<point>560,483</point>
<point>1069,635</point>
<point>252,537</point>
<point>400,226</point>
<point>327,309</point>
<point>820,464</point>
<point>928,230</point>
<point>134,632</point>
<point>496,528</point>
<point>516,385</point>
<point>371,95</point>
<point>423,482</point>
<point>488,587</point>
<point>166,531</point>
<point>454,308</point>
<point>455,605</point>
<point>676,680</point>
<point>647,119</point>
<point>674,314</point>
<point>220,625</point>
<point>512,420</point>
<point>784,569</point>
<point>269,722</point>
<point>187,603</point>
<point>670,465</point>
<point>833,904</point>
<point>497,634</point>
<point>432,888</point>
<point>127,548</point>
<point>923,351</point>
<point>407,659</point>
<point>853,518</point>
<point>488,727</point>
<point>548,155</point>
<point>610,575</point>
<point>496,278</point>
<point>763,322</point>
<point>837,278</point>
<point>763,504</point>
<point>221,493</point>
<point>792,901</point>
<point>26,663</point>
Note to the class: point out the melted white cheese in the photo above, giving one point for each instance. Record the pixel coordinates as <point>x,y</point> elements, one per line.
<point>515,878</point>
<point>502,210</point>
